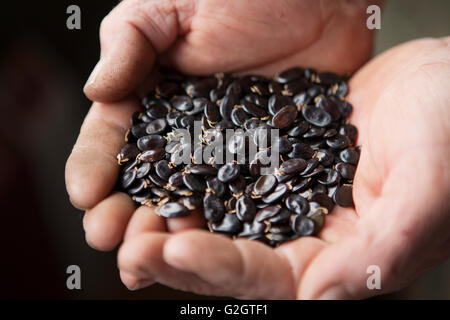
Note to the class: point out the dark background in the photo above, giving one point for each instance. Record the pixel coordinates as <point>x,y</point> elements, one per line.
<point>43,67</point>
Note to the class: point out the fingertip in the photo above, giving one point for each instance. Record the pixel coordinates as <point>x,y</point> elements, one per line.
<point>134,283</point>
<point>105,224</point>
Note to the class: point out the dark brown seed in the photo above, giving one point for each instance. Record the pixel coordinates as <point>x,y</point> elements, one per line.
<point>157,111</point>
<point>253,109</point>
<point>245,209</point>
<point>182,103</point>
<point>264,185</point>
<point>226,106</point>
<point>228,172</point>
<point>301,150</point>
<point>303,226</point>
<point>328,177</point>
<point>318,217</point>
<point>316,116</point>
<point>176,179</point>
<point>302,184</point>
<point>346,170</point>
<point>285,117</point>
<point>282,217</point>
<point>202,170</point>
<point>143,170</point>
<point>290,75</point>
<point>293,166</point>
<point>173,210</point>
<point>213,208</point>
<point>343,196</point>
<point>128,152</point>
<point>164,170</point>
<point>237,186</point>
<point>277,102</point>
<point>338,142</point>
<point>350,156</point>
<point>297,204</point>
<point>229,224</point>
<point>152,141</point>
<point>252,228</point>
<point>216,186</point>
<point>139,130</point>
<point>324,200</point>
<point>267,213</point>
<point>238,116</point>
<point>157,126</point>
<point>152,155</point>
<point>298,129</point>
<point>194,182</point>
<point>329,106</point>
<point>127,179</point>
<point>137,186</point>
<point>212,112</point>
<point>277,194</point>
<point>350,131</point>
<point>325,157</point>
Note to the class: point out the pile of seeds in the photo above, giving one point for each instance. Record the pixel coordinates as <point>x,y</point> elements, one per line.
<point>315,147</point>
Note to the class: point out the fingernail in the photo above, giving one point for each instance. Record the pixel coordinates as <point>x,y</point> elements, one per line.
<point>94,74</point>
<point>334,293</point>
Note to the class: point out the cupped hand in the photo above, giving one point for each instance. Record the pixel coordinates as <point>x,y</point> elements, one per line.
<point>401,191</point>
<point>196,37</point>
<point>208,36</point>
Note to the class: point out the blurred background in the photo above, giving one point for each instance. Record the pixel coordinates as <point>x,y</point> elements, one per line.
<point>43,67</point>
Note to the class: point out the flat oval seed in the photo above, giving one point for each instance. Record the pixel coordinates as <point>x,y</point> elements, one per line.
<point>280,190</point>
<point>350,156</point>
<point>212,112</point>
<point>303,226</point>
<point>237,186</point>
<point>152,141</point>
<point>127,179</point>
<point>157,126</point>
<point>217,186</point>
<point>143,170</point>
<point>152,155</point>
<point>346,170</point>
<point>182,103</point>
<point>238,117</point>
<point>343,196</point>
<point>338,142</point>
<point>163,169</point>
<point>328,177</point>
<point>316,116</point>
<point>194,183</point>
<point>228,172</point>
<point>285,117</point>
<point>245,209</point>
<point>264,185</point>
<point>293,166</point>
<point>230,224</point>
<point>173,210</point>
<point>128,151</point>
<point>324,200</point>
<point>176,179</point>
<point>297,204</point>
<point>213,208</point>
<point>267,213</point>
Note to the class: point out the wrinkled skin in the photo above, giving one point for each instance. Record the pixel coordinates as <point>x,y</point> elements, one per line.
<point>401,189</point>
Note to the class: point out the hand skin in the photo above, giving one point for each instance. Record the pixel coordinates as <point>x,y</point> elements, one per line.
<point>400,223</point>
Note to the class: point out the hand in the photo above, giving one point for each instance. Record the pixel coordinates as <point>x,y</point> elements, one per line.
<point>261,36</point>
<point>203,37</point>
<point>401,193</point>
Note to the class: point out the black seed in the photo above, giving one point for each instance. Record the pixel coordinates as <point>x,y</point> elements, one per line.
<point>328,177</point>
<point>301,150</point>
<point>157,126</point>
<point>237,186</point>
<point>238,117</point>
<point>277,102</point>
<point>350,156</point>
<point>253,109</point>
<point>194,183</point>
<point>164,170</point>
<point>316,116</point>
<point>213,208</point>
<point>282,145</point>
<point>157,111</point>
<point>338,142</point>
<point>227,105</point>
<point>277,194</point>
<point>285,117</point>
<point>143,170</point>
<point>228,172</point>
<point>267,213</point>
<point>217,186</point>
<point>329,106</point>
<point>127,179</point>
<point>264,185</point>
<point>152,141</point>
<point>128,152</point>
<point>324,200</point>
<point>290,75</point>
<point>325,157</point>
<point>202,170</point>
<point>245,209</point>
<point>297,204</point>
<point>152,155</point>
<point>282,217</point>
<point>298,129</point>
<point>173,210</point>
<point>293,166</point>
<point>346,170</point>
<point>344,196</point>
<point>212,112</point>
<point>176,179</point>
<point>182,103</point>
<point>252,228</point>
<point>303,226</point>
<point>350,131</point>
<point>230,224</point>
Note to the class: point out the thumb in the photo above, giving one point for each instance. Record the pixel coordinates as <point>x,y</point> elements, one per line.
<point>131,36</point>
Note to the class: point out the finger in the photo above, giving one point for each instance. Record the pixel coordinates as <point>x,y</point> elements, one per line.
<point>142,257</point>
<point>92,170</point>
<point>194,220</point>
<point>241,268</point>
<point>131,36</point>
<point>134,283</point>
<point>144,220</point>
<point>105,224</point>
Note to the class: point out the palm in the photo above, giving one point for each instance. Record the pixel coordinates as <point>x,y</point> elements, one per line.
<point>395,171</point>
